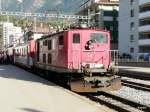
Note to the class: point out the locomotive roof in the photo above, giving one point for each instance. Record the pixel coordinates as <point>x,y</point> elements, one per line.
<point>60,32</point>
<point>50,35</point>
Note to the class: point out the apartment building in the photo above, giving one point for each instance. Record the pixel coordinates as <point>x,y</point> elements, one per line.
<point>36,30</point>
<point>134,27</point>
<point>144,27</point>
<point>10,34</point>
<point>7,31</point>
<point>103,14</point>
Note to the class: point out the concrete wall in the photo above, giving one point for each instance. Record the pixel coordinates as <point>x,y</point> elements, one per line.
<point>125,30</point>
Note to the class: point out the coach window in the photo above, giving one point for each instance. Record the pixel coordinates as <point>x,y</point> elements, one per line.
<point>49,58</point>
<point>76,38</point>
<point>44,58</point>
<point>49,44</point>
<point>61,40</point>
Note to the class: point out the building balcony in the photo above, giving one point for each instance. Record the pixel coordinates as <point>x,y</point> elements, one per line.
<point>144,42</point>
<point>87,4</point>
<point>145,28</point>
<point>143,2</point>
<point>143,15</point>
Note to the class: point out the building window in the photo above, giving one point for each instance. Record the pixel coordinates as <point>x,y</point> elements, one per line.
<point>145,22</point>
<point>132,13</point>
<point>131,2</point>
<point>49,44</point>
<point>144,8</point>
<point>131,50</point>
<point>132,38</point>
<point>145,35</point>
<point>49,58</point>
<point>144,49</point>
<point>44,58</point>
<point>76,38</point>
<point>132,26</point>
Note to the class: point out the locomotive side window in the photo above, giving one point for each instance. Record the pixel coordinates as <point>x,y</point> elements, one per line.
<point>49,58</point>
<point>99,38</point>
<point>76,38</point>
<point>61,40</point>
<point>49,44</point>
<point>44,58</point>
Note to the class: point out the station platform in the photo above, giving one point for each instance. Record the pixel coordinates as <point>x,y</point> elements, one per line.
<point>136,72</point>
<point>135,69</point>
<point>21,91</point>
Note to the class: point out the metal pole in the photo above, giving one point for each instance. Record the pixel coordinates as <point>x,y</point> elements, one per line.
<point>21,6</point>
<point>34,24</point>
<point>89,17</point>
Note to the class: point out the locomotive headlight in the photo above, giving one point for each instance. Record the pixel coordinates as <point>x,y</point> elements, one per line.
<point>93,65</point>
<point>96,65</point>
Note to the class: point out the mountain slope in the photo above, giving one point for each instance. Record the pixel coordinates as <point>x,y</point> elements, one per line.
<point>64,6</point>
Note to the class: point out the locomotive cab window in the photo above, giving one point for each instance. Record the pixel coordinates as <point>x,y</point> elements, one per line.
<point>76,38</point>
<point>99,38</point>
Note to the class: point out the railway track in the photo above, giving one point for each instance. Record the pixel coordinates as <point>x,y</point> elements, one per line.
<point>136,85</point>
<point>118,103</point>
<point>136,75</point>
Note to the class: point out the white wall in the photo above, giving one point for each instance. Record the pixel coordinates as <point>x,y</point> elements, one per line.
<point>124,27</point>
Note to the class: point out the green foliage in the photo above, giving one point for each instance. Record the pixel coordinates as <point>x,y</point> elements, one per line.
<point>22,22</point>
<point>57,24</point>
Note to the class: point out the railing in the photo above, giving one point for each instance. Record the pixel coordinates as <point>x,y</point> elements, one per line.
<point>132,60</point>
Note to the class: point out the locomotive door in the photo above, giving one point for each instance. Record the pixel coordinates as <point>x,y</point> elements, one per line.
<point>76,50</point>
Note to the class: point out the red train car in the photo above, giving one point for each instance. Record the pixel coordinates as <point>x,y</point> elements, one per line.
<point>24,54</point>
<point>82,56</point>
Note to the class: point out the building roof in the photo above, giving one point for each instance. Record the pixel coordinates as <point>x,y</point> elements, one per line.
<point>110,2</point>
<point>102,2</point>
<point>39,27</point>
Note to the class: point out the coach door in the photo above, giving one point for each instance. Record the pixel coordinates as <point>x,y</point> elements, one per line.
<point>76,49</point>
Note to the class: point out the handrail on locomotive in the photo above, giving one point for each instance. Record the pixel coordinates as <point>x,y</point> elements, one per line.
<point>114,58</point>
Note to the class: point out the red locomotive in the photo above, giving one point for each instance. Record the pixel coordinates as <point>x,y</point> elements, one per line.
<point>79,57</point>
